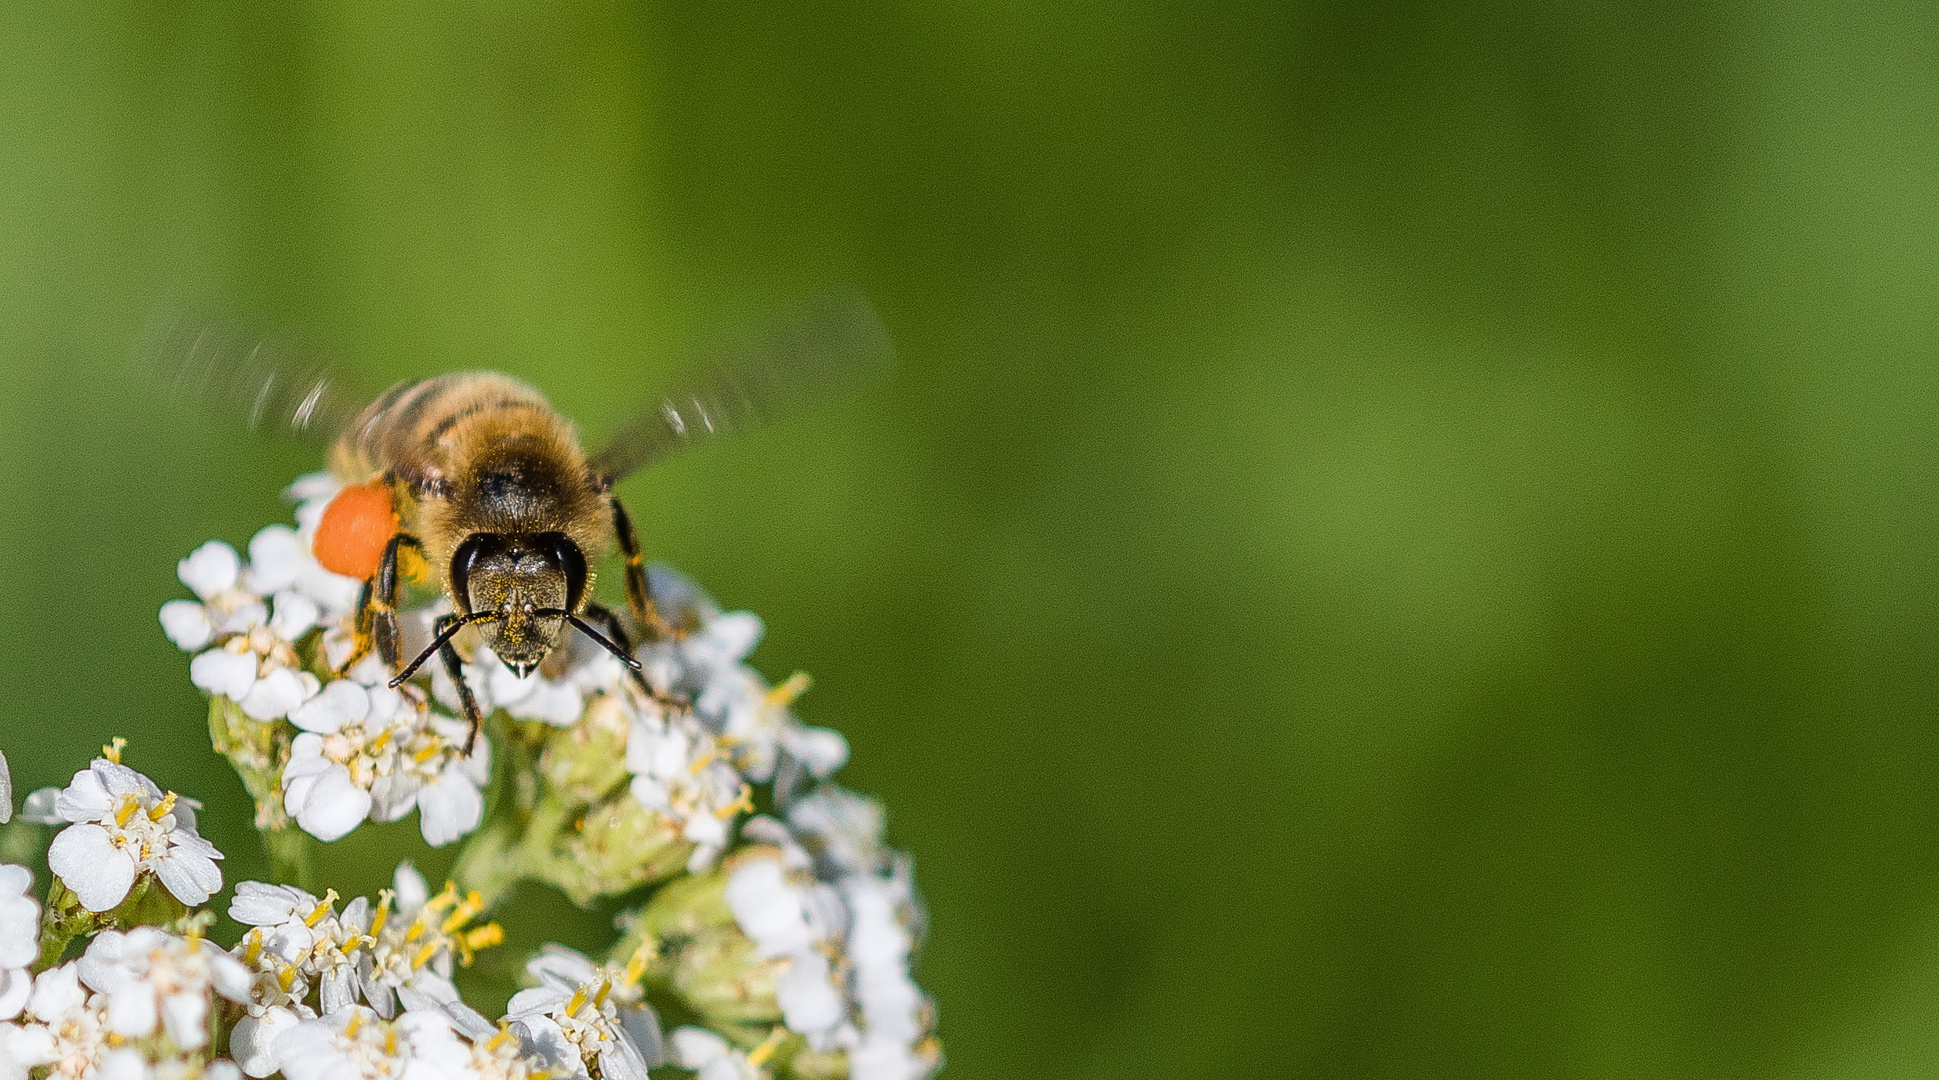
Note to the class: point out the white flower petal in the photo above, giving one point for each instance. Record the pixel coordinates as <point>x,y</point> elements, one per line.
<point>185,1017</point>
<point>15,985</point>
<point>821,749</point>
<point>809,1001</point>
<point>123,1064</point>
<point>210,569</point>
<point>276,557</point>
<point>187,624</point>
<point>295,615</point>
<point>132,1009</point>
<point>86,861</point>
<point>41,806</point>
<point>449,807</point>
<point>333,806</point>
<point>190,875</point>
<point>222,672</point>
<point>273,696</point>
<point>253,1040</point>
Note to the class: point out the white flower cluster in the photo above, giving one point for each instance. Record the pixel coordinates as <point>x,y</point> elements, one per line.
<point>404,945</point>
<point>120,827</point>
<point>841,909</point>
<point>369,752</point>
<point>135,1006</point>
<point>365,752</point>
<point>792,953</point>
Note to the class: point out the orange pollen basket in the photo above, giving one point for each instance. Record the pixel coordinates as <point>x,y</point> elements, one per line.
<point>356,525</point>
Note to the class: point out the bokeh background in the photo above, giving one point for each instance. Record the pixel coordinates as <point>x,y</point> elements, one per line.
<point>1401,542</point>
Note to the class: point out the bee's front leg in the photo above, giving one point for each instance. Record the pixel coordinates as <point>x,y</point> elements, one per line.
<point>454,667</point>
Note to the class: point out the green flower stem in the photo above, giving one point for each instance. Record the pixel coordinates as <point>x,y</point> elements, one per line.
<point>291,856</point>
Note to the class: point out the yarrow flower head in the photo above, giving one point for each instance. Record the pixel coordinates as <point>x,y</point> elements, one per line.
<point>122,827</point>
<point>135,1006</point>
<point>370,752</point>
<point>254,662</point>
<point>783,940</point>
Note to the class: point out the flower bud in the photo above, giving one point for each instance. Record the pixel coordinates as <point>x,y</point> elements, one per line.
<point>618,846</point>
<point>586,761</point>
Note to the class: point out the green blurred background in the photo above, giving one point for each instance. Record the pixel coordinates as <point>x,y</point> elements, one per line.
<point>1401,543</point>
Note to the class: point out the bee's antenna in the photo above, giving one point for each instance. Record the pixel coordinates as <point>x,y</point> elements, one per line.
<point>439,642</point>
<point>602,640</point>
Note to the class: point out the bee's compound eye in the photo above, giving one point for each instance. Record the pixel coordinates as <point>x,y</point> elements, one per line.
<point>472,556</point>
<point>356,525</point>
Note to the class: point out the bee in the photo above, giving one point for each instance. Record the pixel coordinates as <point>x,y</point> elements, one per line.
<point>475,480</point>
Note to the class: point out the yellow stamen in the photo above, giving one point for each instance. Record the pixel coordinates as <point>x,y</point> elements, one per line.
<point>745,802</point>
<point>485,936</point>
<point>578,999</point>
<point>322,910</point>
<point>129,804</point>
<point>462,914</point>
<point>605,990</point>
<point>390,1042</point>
<point>286,978</point>
<point>784,695</point>
<point>504,1036</point>
<point>703,761</point>
<point>424,955</point>
<point>164,808</point>
<point>759,1055</point>
<point>378,920</point>
<point>430,751</point>
<point>636,964</point>
<point>113,750</point>
<point>445,898</point>
<point>356,1022</point>
<point>253,946</point>
<point>377,744</point>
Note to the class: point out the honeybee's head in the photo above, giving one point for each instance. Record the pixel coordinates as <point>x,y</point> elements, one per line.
<point>530,583</point>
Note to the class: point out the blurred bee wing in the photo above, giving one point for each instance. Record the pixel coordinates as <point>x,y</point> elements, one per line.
<point>271,381</point>
<point>754,377</point>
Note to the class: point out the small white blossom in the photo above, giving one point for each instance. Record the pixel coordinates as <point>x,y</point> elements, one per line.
<point>155,981</point>
<point>577,1017</point>
<point>708,666</point>
<point>370,752</point>
<point>787,913</point>
<point>407,944</point>
<point>6,792</point>
<point>842,909</point>
<point>680,772</point>
<point>355,1043</point>
<point>253,616</point>
<point>123,826</point>
<point>19,938</point>
<point>63,1029</point>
